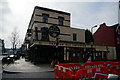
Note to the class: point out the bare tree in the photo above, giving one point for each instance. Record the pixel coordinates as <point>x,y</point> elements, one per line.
<point>14,39</point>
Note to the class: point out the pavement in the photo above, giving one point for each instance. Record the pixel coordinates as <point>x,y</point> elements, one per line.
<point>23,66</point>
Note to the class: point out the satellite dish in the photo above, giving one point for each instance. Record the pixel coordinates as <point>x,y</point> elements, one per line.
<point>46,26</point>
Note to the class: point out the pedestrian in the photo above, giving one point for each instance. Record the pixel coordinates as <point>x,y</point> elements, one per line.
<point>53,63</point>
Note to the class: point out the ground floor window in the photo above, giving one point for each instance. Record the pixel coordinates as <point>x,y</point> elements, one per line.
<point>78,54</point>
<point>73,54</point>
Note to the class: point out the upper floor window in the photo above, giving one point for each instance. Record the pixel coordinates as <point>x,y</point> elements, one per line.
<point>45,36</point>
<point>74,36</point>
<point>118,40</point>
<point>45,18</point>
<point>119,31</point>
<point>60,20</point>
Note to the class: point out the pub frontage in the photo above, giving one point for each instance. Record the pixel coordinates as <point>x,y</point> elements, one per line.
<point>49,36</point>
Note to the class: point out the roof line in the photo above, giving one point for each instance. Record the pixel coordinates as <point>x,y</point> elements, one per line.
<point>47,9</point>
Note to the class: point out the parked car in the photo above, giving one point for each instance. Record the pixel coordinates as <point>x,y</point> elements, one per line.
<point>7,60</point>
<point>26,58</point>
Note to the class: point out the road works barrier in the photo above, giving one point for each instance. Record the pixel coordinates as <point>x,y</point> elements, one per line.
<point>63,71</point>
<point>109,63</point>
<point>75,71</point>
<point>115,70</point>
<point>89,73</point>
<point>93,64</point>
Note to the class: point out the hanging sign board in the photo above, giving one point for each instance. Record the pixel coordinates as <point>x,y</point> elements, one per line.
<point>54,31</point>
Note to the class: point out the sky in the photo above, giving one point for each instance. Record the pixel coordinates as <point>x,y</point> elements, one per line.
<point>84,14</point>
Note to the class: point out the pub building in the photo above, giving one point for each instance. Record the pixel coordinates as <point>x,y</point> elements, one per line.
<point>49,36</point>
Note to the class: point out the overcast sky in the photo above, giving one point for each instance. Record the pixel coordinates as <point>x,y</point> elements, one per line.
<point>84,14</point>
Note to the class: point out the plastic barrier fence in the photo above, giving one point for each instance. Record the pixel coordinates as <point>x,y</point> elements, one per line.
<point>101,76</point>
<point>76,70</point>
<point>73,66</point>
<point>115,70</point>
<point>58,72</point>
<point>66,70</point>
<point>93,64</point>
<point>89,73</point>
<point>109,64</point>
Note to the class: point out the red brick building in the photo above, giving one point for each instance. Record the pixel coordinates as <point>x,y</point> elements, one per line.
<point>108,35</point>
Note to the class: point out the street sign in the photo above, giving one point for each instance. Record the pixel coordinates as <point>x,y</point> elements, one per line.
<point>54,31</point>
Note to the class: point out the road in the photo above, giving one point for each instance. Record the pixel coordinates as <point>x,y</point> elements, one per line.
<point>28,76</point>
<point>22,70</point>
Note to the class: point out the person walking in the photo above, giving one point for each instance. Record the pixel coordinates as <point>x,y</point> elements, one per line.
<point>53,62</point>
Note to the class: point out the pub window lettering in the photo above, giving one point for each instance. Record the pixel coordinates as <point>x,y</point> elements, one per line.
<point>61,21</point>
<point>45,18</point>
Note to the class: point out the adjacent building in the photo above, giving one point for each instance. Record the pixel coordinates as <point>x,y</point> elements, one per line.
<point>2,47</point>
<point>50,36</point>
<point>1,52</point>
<point>119,12</point>
<point>108,35</point>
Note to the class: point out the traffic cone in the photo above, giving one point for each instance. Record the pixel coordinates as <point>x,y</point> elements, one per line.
<point>89,59</point>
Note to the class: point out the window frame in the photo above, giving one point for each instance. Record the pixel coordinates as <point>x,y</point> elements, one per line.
<point>119,31</point>
<point>45,18</point>
<point>74,37</point>
<point>78,53</point>
<point>61,20</point>
<point>118,40</point>
<point>73,55</point>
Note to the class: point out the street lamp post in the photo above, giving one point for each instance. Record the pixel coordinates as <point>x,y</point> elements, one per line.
<point>92,41</point>
<point>92,28</point>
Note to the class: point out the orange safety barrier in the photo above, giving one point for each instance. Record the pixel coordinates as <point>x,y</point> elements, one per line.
<point>112,63</point>
<point>89,73</point>
<point>63,71</point>
<point>100,76</point>
<point>58,72</point>
<point>68,74</point>
<point>76,70</point>
<point>73,66</point>
<point>108,64</point>
<point>93,64</point>
<point>115,70</point>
